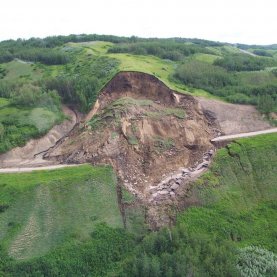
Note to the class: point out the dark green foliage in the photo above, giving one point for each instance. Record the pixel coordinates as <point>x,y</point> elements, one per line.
<point>32,96</point>
<point>243,62</point>
<point>5,56</point>
<point>262,52</point>
<point>203,75</point>
<point>255,261</point>
<point>6,88</point>
<point>165,49</point>
<point>42,55</point>
<point>266,103</point>
<point>258,88</point>
<point>45,56</point>
<point>82,86</point>
<point>20,119</point>
<point>54,41</point>
<point>3,73</point>
<point>176,253</point>
<point>93,257</point>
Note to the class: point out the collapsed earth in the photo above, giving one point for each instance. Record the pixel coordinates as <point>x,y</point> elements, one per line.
<point>137,157</point>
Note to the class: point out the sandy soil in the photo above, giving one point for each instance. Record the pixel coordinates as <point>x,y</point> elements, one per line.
<point>234,119</point>
<point>26,156</point>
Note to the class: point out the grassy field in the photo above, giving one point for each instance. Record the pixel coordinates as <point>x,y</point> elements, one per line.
<point>41,210</point>
<point>208,58</point>
<point>4,102</point>
<point>19,70</point>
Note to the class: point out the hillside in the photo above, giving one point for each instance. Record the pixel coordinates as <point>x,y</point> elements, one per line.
<point>144,190</point>
<point>236,210</point>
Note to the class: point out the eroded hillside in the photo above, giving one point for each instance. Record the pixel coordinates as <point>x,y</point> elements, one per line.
<point>144,130</point>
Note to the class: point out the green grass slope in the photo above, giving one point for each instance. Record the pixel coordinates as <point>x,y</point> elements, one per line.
<point>239,194</point>
<point>41,210</point>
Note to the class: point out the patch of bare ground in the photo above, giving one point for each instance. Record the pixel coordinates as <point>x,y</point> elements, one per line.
<point>233,118</point>
<point>145,131</point>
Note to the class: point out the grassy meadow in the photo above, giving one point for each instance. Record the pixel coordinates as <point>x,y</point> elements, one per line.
<point>41,210</point>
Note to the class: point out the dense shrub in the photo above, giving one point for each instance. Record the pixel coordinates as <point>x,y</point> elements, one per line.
<point>93,257</point>
<point>255,262</point>
<point>257,88</point>
<point>262,52</point>
<point>166,49</point>
<point>242,62</point>
<point>42,55</point>
<point>177,253</point>
<point>32,96</point>
<point>203,75</point>
<point>81,88</point>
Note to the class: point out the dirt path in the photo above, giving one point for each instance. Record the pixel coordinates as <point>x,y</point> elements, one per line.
<point>244,135</point>
<point>32,153</point>
<point>30,169</point>
<point>247,52</point>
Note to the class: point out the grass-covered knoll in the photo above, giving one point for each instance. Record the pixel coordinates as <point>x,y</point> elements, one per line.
<point>161,68</point>
<point>42,210</point>
<point>21,70</point>
<point>201,72</point>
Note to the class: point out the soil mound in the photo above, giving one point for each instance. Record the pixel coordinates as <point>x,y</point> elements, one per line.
<point>143,129</point>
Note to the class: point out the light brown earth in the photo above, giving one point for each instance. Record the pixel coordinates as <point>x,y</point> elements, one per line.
<point>141,131</point>
<point>233,118</point>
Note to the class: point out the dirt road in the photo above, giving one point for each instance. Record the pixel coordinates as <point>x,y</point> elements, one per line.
<point>30,169</point>
<point>244,135</point>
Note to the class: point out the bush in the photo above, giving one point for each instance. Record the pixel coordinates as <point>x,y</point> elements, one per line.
<point>266,103</point>
<point>255,262</point>
<point>203,75</point>
<point>32,96</point>
<point>243,62</point>
<point>165,49</point>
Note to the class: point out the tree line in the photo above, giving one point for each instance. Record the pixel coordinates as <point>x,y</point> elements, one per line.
<point>230,85</point>
<point>164,49</point>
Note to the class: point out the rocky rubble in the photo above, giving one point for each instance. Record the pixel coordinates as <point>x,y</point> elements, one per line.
<point>168,187</point>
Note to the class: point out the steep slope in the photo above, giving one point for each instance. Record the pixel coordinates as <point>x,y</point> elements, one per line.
<point>143,129</point>
<point>157,141</point>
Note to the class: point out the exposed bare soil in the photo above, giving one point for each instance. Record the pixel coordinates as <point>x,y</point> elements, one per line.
<point>144,130</point>
<point>141,131</point>
<point>233,118</point>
